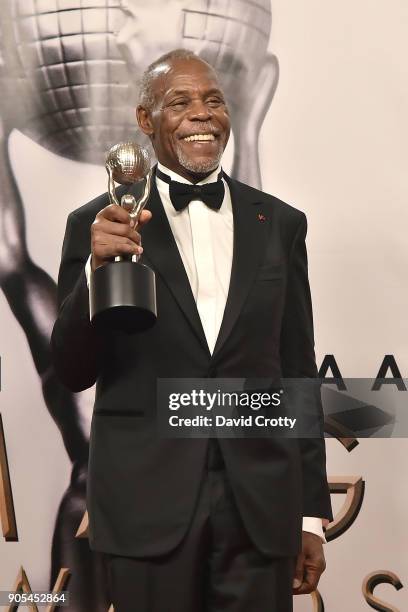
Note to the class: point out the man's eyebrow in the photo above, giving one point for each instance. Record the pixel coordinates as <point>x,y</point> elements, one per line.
<point>215,90</point>
<point>186,92</point>
<point>177,92</point>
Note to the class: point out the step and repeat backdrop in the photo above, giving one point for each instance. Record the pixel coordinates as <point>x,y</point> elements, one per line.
<point>318,96</point>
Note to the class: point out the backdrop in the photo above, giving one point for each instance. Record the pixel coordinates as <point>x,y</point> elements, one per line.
<point>322,96</point>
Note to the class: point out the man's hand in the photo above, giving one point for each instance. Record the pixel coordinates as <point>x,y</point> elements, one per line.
<point>113,233</point>
<point>310,564</point>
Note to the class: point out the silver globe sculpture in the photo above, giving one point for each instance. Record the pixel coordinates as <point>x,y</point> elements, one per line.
<point>68,76</point>
<point>128,163</point>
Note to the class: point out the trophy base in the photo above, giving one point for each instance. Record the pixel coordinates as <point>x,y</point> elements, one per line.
<point>123,297</point>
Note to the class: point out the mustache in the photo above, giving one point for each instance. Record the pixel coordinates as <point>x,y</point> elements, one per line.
<point>201,128</point>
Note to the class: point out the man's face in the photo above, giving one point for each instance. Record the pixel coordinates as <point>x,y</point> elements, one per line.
<point>189,124</point>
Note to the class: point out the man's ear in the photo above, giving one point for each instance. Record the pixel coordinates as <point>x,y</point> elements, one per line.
<point>144,120</point>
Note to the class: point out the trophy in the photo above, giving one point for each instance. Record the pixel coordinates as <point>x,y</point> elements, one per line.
<point>123,292</point>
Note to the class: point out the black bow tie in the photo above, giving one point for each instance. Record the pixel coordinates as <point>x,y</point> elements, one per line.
<point>181,194</point>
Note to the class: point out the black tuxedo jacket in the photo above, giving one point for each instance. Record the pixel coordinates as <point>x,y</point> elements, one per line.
<point>141,488</point>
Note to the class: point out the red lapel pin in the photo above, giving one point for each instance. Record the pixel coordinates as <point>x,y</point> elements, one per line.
<point>261,218</point>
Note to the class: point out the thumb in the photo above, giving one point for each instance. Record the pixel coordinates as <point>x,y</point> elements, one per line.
<point>145,216</point>
<point>298,577</point>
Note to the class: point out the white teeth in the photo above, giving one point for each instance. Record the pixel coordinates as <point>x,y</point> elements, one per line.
<point>199,137</point>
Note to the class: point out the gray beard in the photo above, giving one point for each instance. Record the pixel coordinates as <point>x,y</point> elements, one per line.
<point>198,167</point>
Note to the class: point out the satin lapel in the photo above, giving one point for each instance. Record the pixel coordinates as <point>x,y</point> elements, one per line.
<point>250,231</point>
<point>161,249</point>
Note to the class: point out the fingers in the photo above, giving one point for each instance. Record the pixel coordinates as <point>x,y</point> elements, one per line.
<point>110,247</point>
<point>310,565</point>
<point>298,576</point>
<point>113,233</point>
<point>113,212</point>
<point>311,579</point>
<point>117,229</point>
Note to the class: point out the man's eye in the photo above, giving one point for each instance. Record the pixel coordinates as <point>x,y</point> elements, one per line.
<point>178,104</point>
<point>214,102</point>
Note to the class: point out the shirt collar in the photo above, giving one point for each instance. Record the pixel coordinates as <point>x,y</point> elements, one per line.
<point>211,178</point>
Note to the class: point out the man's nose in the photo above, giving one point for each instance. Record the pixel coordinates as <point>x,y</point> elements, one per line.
<point>199,111</point>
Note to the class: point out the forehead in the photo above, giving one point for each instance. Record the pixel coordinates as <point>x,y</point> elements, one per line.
<point>187,75</point>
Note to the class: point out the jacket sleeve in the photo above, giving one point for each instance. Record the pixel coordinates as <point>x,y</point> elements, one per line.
<point>298,361</point>
<point>75,345</point>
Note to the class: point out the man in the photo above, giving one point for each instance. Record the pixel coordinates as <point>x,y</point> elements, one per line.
<point>70,100</point>
<point>187,524</point>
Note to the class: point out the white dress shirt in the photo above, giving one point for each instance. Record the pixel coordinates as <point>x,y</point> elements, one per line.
<point>204,238</point>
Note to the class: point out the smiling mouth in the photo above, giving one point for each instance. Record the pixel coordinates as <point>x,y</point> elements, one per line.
<point>199,138</point>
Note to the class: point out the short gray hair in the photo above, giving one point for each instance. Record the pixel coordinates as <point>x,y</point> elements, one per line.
<point>146,94</point>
